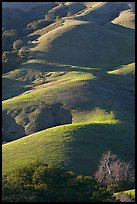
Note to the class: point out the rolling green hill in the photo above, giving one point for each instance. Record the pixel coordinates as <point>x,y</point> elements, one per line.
<point>68,90</point>
<point>77,146</point>
<point>73,99</point>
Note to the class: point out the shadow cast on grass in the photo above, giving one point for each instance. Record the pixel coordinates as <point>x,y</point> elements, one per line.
<point>11,130</point>
<point>91,141</point>
<point>12,88</point>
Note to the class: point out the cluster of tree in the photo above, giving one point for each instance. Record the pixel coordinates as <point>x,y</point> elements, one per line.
<point>44,183</point>
<point>14,39</point>
<point>34,25</point>
<point>8,37</point>
<point>14,50</point>
<point>12,59</point>
<point>16,25</point>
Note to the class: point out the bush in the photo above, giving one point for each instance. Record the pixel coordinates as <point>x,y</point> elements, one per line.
<point>44,183</point>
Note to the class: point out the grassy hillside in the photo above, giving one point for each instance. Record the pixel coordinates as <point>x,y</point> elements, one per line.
<point>77,146</point>
<point>73,99</point>
<point>128,192</point>
<point>88,44</point>
<point>126,19</point>
<point>100,12</point>
<point>124,70</point>
<point>68,91</point>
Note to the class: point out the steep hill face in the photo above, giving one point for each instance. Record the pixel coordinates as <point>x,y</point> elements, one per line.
<point>73,99</point>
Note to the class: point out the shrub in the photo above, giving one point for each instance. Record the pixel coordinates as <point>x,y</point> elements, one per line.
<point>44,183</point>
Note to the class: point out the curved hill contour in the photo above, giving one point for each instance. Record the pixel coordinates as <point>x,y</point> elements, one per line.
<point>87,44</point>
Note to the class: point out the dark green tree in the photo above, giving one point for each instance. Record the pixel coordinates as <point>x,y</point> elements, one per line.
<point>10,61</point>
<point>8,37</point>
<point>44,183</point>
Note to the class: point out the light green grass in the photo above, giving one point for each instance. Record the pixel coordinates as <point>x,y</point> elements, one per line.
<point>97,115</point>
<point>128,192</point>
<point>66,82</point>
<point>34,77</point>
<point>77,146</point>
<point>37,72</point>
<point>85,105</point>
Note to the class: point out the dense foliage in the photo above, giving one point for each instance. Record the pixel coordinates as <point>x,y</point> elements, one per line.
<point>12,59</point>
<point>8,38</point>
<point>44,183</point>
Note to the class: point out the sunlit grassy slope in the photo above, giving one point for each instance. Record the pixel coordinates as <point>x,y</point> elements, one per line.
<point>128,192</point>
<point>77,146</point>
<point>124,70</point>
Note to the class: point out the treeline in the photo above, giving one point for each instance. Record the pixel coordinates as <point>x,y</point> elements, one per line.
<point>31,27</point>
<point>44,183</point>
